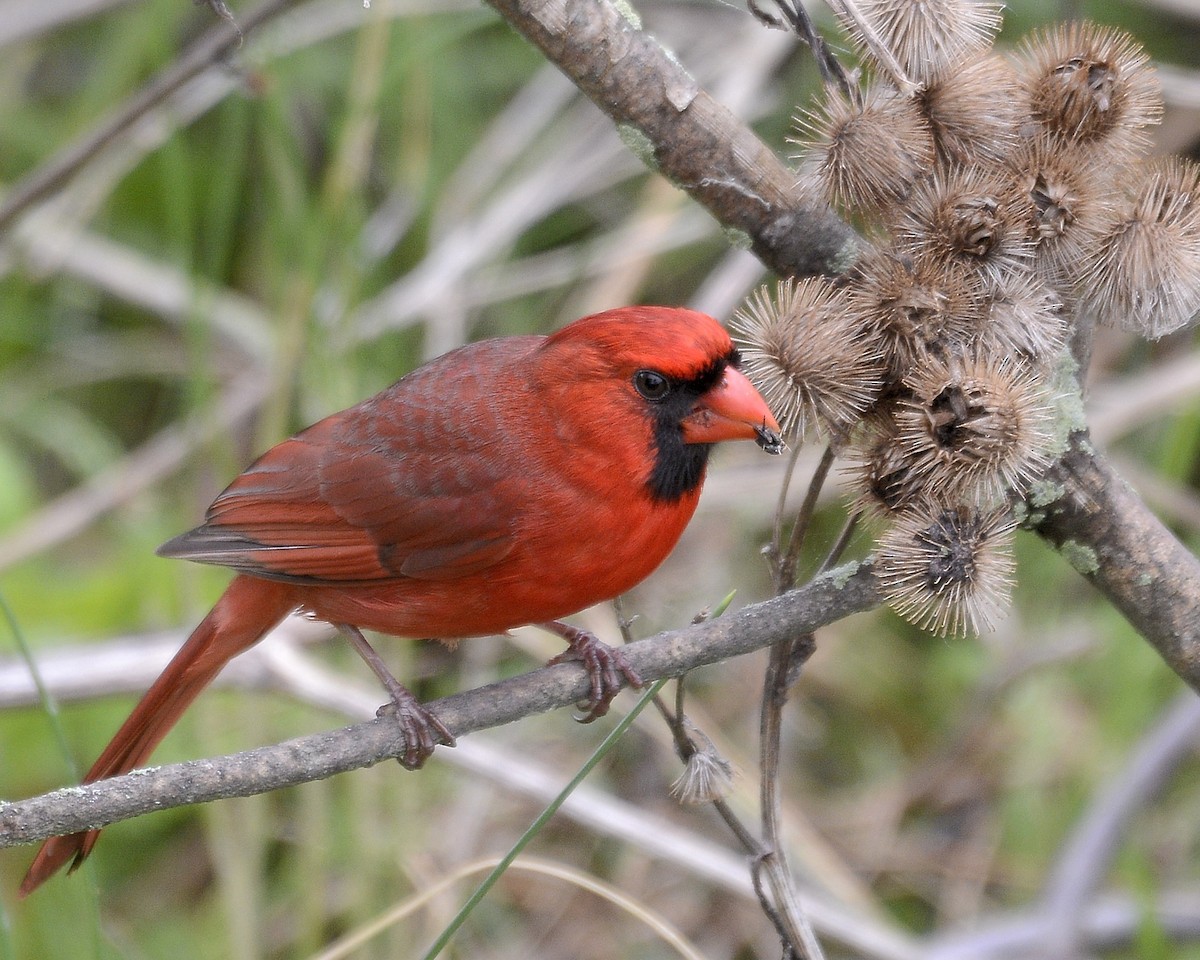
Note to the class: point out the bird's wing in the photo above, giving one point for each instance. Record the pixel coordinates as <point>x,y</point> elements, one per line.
<point>394,487</point>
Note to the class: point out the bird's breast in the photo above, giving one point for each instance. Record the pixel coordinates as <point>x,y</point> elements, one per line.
<point>563,561</point>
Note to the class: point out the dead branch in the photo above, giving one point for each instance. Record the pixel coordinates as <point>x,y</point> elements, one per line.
<point>671,654</point>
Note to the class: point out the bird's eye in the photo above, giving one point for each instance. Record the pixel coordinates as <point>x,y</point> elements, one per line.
<point>651,385</point>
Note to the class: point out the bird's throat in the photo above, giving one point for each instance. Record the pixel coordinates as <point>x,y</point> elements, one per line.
<point>678,467</point>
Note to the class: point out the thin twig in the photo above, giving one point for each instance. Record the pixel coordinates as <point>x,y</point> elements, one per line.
<point>839,545</point>
<point>685,747</point>
<point>831,69</point>
<point>786,575</point>
<point>849,12</point>
<point>1113,539</point>
<point>775,548</point>
<point>784,663</point>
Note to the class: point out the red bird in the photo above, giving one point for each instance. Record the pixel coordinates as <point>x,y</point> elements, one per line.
<point>509,482</point>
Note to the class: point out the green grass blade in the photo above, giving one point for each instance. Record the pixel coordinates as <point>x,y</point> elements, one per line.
<point>542,819</point>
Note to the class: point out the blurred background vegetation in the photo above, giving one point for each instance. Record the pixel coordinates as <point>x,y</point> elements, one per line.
<point>356,190</point>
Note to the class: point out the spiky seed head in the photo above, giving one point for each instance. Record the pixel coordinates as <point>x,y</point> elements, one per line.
<point>1070,191</point>
<point>930,37</point>
<point>949,570</point>
<point>1169,192</point>
<point>976,217</point>
<point>881,475</point>
<point>816,367</point>
<point>1022,317</point>
<point>1093,85</point>
<point>867,155</point>
<point>706,775</point>
<point>974,111</point>
<point>917,305</point>
<point>1145,275</point>
<point>975,427</point>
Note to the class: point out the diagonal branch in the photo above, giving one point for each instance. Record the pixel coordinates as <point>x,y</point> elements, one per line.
<point>678,129</point>
<point>1108,534</point>
<point>838,594</point>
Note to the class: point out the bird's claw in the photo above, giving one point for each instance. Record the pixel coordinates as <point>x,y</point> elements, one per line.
<point>605,665</point>
<point>421,729</point>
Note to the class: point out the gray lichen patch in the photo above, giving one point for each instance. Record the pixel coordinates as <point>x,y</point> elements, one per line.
<point>846,256</point>
<point>626,10</point>
<point>1044,493</point>
<point>1069,416</point>
<point>840,576</point>
<point>738,239</point>
<point>640,145</point>
<point>1082,558</point>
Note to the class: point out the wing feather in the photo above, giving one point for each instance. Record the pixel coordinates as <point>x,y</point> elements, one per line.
<point>390,488</point>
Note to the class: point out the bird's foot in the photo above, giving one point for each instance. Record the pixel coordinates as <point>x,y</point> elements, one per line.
<point>605,666</point>
<point>421,729</point>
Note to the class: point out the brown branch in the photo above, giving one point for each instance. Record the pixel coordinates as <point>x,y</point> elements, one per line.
<point>671,654</point>
<point>1110,536</point>
<point>795,931</point>
<point>684,133</point>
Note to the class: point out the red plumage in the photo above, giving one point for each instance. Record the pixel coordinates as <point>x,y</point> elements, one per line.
<point>511,481</point>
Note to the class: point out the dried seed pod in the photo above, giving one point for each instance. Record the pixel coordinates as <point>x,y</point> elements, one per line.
<point>706,776</point>
<point>918,306</point>
<point>976,427</point>
<point>867,155</point>
<point>978,218</point>
<point>975,111</point>
<point>926,38</point>
<point>1092,85</point>
<point>948,570</point>
<point>1022,317</point>
<point>1145,275</point>
<point>882,475</point>
<point>1071,195</point>
<point>815,365</point>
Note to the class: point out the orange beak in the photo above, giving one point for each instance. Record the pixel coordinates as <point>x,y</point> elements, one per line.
<point>733,410</point>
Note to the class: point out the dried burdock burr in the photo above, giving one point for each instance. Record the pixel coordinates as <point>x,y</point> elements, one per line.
<point>1070,190</point>
<point>976,428</point>
<point>1145,272</point>
<point>1093,85</point>
<point>917,305</point>
<point>881,475</point>
<point>812,360</point>
<point>1020,316</point>
<point>975,217</point>
<point>948,569</point>
<point>924,39</point>
<point>867,154</point>
<point>974,111</point>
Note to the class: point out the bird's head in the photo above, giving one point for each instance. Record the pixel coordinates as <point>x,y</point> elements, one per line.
<point>673,370</point>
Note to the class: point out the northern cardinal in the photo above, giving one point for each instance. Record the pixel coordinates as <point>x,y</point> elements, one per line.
<point>509,482</point>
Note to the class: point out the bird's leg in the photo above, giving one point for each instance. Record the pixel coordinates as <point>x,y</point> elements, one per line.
<point>605,666</point>
<point>422,730</point>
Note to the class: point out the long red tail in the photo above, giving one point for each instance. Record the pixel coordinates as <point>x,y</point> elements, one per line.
<point>247,609</point>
